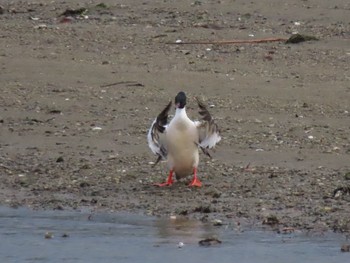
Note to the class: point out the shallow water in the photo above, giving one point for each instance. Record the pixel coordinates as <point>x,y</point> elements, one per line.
<point>135,238</point>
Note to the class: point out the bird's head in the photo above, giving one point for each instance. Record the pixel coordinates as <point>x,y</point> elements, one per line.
<point>180,100</point>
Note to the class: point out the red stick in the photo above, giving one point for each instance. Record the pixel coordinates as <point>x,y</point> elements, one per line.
<point>226,42</point>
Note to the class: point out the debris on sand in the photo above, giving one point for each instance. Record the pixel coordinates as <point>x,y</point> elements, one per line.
<point>203,209</point>
<point>347,176</point>
<point>343,190</point>
<point>298,38</point>
<point>286,230</point>
<point>59,159</point>
<point>294,39</point>
<point>209,242</point>
<point>217,222</point>
<point>74,12</point>
<point>126,83</point>
<point>40,26</point>
<point>102,6</point>
<point>270,220</point>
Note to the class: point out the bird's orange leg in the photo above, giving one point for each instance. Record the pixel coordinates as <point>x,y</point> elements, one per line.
<point>169,181</point>
<point>195,180</point>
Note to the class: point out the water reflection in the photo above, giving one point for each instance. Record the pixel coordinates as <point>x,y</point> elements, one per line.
<point>185,230</point>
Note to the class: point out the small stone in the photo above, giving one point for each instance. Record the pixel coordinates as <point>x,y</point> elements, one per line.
<point>345,248</point>
<point>67,19</point>
<point>287,230</point>
<point>347,176</point>
<point>336,149</point>
<point>183,212</point>
<point>60,160</point>
<point>217,222</point>
<point>209,242</point>
<point>48,235</point>
<point>203,209</point>
<point>65,235</point>
<point>180,245</point>
<point>102,5</point>
<point>112,156</point>
<point>270,220</point>
<point>40,26</point>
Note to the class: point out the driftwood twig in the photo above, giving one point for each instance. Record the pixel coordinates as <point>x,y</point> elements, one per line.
<point>127,83</point>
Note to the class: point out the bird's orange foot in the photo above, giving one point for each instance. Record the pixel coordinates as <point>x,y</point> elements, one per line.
<point>169,181</point>
<point>165,184</point>
<point>196,182</point>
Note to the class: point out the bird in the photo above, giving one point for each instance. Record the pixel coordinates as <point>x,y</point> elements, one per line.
<point>178,141</point>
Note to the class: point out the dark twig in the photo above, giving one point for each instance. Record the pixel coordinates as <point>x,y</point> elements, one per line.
<point>127,83</point>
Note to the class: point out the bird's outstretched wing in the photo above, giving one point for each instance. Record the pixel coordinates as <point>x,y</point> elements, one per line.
<point>208,131</point>
<point>156,134</point>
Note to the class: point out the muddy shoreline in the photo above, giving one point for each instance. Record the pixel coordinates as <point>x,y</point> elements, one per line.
<point>78,95</point>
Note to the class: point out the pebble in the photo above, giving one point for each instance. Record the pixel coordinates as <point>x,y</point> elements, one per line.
<point>345,248</point>
<point>209,242</point>
<point>65,235</point>
<point>217,222</point>
<point>48,235</point>
<point>40,26</point>
<point>180,245</point>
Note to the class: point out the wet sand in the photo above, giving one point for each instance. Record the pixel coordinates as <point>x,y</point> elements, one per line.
<point>78,97</point>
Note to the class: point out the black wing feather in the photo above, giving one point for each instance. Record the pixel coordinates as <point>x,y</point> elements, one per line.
<point>162,118</point>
